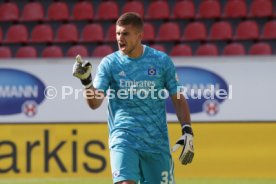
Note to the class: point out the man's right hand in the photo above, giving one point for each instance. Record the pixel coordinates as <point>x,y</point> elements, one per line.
<point>82,70</point>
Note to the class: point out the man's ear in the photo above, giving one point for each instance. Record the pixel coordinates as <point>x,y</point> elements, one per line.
<point>141,35</point>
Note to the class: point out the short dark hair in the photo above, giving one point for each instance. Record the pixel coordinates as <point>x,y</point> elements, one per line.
<point>131,18</point>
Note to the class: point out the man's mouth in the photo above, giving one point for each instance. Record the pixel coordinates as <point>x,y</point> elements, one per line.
<point>122,45</point>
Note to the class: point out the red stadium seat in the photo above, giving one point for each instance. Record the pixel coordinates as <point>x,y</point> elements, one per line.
<point>181,50</point>
<point>92,33</point>
<point>17,34</point>
<point>269,31</point>
<point>67,33</point>
<point>9,12</point>
<point>158,47</point>
<point>33,11</point>
<point>83,11</point>
<point>207,50</point>
<point>235,9</point>
<point>195,31</point>
<point>1,35</point>
<point>102,50</point>
<point>73,51</point>
<point>261,8</point>
<point>111,33</point>
<point>209,9</point>
<point>26,52</point>
<point>134,6</point>
<point>234,49</point>
<point>42,33</point>
<point>52,52</point>
<point>5,52</point>
<point>184,10</point>
<point>169,31</point>
<point>221,31</point>
<point>108,10</point>
<point>58,11</point>
<point>158,10</point>
<point>260,49</point>
<point>149,32</point>
<point>247,30</point>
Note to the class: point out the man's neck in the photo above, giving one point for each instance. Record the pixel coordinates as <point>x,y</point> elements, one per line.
<point>138,52</point>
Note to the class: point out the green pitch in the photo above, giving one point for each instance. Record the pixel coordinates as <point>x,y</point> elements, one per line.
<point>108,181</point>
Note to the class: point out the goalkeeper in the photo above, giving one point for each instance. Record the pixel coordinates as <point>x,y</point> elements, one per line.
<point>138,133</point>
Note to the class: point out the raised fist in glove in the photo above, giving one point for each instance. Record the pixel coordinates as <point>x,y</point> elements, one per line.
<point>186,141</point>
<point>82,70</point>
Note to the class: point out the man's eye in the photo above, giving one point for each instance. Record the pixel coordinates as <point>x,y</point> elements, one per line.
<point>124,34</point>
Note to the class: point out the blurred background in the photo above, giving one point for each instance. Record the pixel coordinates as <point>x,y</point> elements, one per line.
<point>224,53</point>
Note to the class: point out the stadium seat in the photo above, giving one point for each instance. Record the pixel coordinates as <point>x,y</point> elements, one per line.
<point>195,31</point>
<point>235,9</point>
<point>102,50</point>
<point>111,33</point>
<point>134,6</point>
<point>247,30</point>
<point>52,52</point>
<point>208,49</point>
<point>234,49</point>
<point>181,50</point>
<point>5,52</point>
<point>159,47</point>
<point>149,32</point>
<point>74,50</point>
<point>58,11</point>
<point>261,8</point>
<point>158,10</point>
<point>269,31</point>
<point>92,33</point>
<point>9,11</point>
<point>169,31</point>
<point>33,11</point>
<point>67,33</point>
<point>209,9</point>
<point>83,11</point>
<point>42,33</point>
<point>184,10</point>
<point>260,49</point>
<point>26,52</point>
<point>107,10</point>
<point>221,31</point>
<point>1,35</point>
<point>17,33</point>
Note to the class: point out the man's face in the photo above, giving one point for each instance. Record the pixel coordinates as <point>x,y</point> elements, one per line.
<point>128,38</point>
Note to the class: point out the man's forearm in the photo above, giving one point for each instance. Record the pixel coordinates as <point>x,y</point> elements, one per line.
<point>182,110</point>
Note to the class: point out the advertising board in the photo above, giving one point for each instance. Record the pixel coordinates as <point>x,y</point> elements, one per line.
<point>217,89</point>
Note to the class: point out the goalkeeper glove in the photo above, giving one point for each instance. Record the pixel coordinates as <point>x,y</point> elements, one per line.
<point>82,70</point>
<point>186,140</point>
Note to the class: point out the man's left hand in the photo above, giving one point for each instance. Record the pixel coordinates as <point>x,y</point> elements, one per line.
<point>187,154</point>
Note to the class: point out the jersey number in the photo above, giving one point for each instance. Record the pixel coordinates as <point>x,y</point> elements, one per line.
<point>165,178</point>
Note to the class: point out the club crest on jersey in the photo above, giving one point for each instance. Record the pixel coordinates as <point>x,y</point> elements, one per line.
<point>151,71</point>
